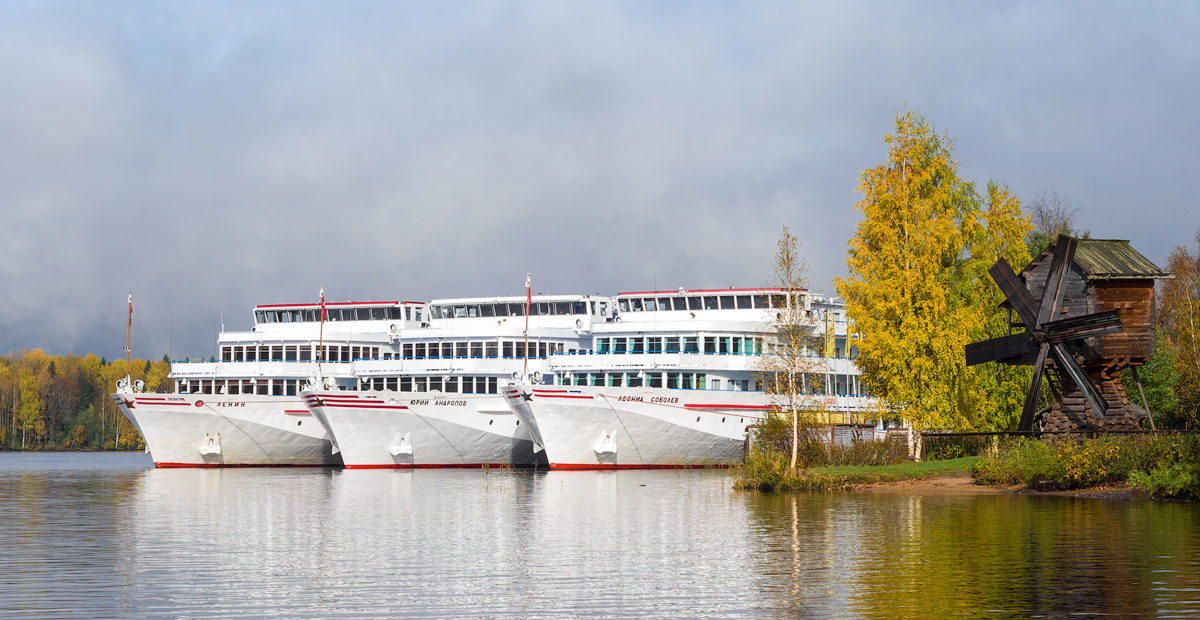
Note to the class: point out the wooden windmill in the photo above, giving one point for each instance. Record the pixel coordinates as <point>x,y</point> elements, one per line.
<point>1087,308</point>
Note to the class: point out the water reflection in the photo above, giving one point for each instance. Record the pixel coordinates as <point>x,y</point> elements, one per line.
<point>108,536</point>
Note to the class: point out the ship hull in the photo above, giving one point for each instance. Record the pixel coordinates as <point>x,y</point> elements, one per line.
<point>638,428</point>
<point>405,430</point>
<point>210,430</point>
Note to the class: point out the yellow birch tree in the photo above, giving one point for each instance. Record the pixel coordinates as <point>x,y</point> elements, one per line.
<point>918,288</point>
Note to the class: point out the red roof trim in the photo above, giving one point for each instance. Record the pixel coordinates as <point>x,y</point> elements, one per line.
<point>341,303</point>
<point>708,291</point>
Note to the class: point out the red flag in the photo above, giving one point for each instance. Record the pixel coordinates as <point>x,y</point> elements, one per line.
<point>131,309</point>
<point>322,304</point>
<point>528,292</point>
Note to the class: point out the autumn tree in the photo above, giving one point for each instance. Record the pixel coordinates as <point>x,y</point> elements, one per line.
<point>918,288</point>
<point>1180,319</point>
<point>790,355</point>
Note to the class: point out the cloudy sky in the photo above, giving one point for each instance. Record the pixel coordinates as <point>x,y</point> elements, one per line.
<point>210,156</point>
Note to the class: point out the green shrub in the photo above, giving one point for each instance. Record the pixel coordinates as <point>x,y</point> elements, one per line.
<point>1173,480</point>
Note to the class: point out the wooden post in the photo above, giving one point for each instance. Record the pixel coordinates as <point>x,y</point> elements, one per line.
<point>1145,403</point>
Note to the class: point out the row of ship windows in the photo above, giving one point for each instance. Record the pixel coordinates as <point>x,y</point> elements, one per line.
<point>449,385</point>
<point>313,315</point>
<point>262,387</point>
<point>537,308</point>
<point>671,380</point>
<point>492,349</point>
<point>706,302</point>
<point>299,353</point>
<point>713,345</point>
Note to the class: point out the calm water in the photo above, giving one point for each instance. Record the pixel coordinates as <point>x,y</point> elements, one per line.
<point>106,535</point>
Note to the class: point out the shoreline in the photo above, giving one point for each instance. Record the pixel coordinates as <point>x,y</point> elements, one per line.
<point>961,483</point>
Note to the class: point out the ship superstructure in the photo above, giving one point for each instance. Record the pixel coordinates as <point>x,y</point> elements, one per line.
<point>437,403</point>
<point>242,408</point>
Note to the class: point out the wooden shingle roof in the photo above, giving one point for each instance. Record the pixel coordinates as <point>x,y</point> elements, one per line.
<point>1115,259</point>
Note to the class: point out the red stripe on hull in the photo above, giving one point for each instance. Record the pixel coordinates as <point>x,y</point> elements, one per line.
<point>223,466</point>
<point>591,466</point>
<point>436,466</point>
<point>719,406</point>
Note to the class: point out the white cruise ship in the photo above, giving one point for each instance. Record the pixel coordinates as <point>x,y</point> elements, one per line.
<point>673,381</point>
<point>437,403</point>
<point>244,409</point>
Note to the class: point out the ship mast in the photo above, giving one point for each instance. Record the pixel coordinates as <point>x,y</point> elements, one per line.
<point>528,303</point>
<point>321,340</point>
<point>128,330</point>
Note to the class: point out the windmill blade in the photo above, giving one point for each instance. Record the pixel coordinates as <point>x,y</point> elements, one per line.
<point>1095,324</point>
<point>1035,388</point>
<point>1068,363</point>
<point>1056,281</point>
<point>1018,296</point>
<point>1004,347</point>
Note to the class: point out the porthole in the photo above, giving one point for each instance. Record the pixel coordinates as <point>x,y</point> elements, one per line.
<point>490,422</point>
<point>722,420</point>
<point>697,418</point>
<point>299,422</point>
<point>518,422</point>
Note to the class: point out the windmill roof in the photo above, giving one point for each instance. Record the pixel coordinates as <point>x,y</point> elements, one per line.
<point>1105,259</point>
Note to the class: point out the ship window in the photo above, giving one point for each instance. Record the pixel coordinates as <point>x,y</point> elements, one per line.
<point>476,349</point>
<point>508,349</point>
<point>251,354</point>
<point>276,387</point>
<point>460,312</point>
<point>691,344</point>
<point>778,301</point>
<point>602,345</point>
<point>635,305</point>
<point>672,344</point>
<point>694,303</point>
<point>487,310</point>
<point>710,345</point>
<point>417,314</point>
<point>460,349</point>
<point>452,384</point>
<point>392,313</point>
<point>238,354</point>
<point>727,302</point>
<point>491,349</point>
<point>391,384</point>
<point>655,379</point>
<point>743,302</point>
<point>520,350</point>
<point>407,313</point>
<point>406,384</point>
<point>447,350</point>
<point>306,353</point>
<point>651,305</point>
<point>419,384</point>
<point>345,354</point>
<point>355,353</point>
<point>579,307</point>
<point>377,384</point>
<point>258,317</point>
<point>290,387</point>
<point>435,383</point>
<point>542,350</point>
<point>760,301</point>
<point>543,308</point>
<point>710,302</point>
<point>675,303</point>
<point>492,385</point>
<point>623,305</point>
<point>686,381</point>
<point>468,385</point>
<point>636,345</point>
<point>226,354</point>
<point>619,346</point>
<point>277,354</point>
<point>289,353</point>
<point>435,312</point>
<point>633,380</point>
<point>715,384</point>
<point>654,345</point>
<point>297,316</point>
<point>615,379</point>
<point>379,314</point>
<point>420,348</point>
<point>434,350</point>
<point>234,387</point>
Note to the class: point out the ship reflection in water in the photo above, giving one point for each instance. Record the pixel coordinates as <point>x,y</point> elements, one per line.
<point>106,535</point>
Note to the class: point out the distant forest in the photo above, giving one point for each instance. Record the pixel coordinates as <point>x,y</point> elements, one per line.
<point>50,402</point>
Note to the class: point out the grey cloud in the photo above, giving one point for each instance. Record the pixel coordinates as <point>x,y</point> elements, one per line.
<point>215,156</point>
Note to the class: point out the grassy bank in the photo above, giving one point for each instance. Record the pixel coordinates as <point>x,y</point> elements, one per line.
<point>769,472</point>
<point>1166,466</point>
